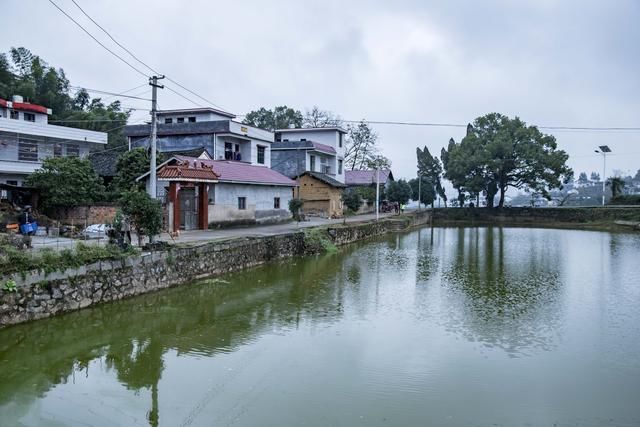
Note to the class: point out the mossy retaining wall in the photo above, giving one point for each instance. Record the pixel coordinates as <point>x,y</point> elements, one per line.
<point>39,295</point>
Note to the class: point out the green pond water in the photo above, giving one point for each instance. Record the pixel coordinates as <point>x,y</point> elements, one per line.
<point>450,326</point>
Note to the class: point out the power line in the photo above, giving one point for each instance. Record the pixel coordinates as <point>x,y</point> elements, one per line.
<point>459,125</point>
<point>182,96</point>
<point>109,93</point>
<point>142,62</point>
<point>96,40</point>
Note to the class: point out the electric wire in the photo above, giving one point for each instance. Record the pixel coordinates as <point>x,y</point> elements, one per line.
<point>142,62</point>
<point>96,40</point>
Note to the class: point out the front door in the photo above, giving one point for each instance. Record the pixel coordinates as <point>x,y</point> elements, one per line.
<point>188,209</point>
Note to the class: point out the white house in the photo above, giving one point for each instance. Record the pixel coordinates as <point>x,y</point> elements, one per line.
<point>27,138</point>
<point>208,128</point>
<point>230,183</point>
<point>322,150</point>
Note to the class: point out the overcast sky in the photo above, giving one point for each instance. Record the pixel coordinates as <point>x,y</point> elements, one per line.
<point>552,63</point>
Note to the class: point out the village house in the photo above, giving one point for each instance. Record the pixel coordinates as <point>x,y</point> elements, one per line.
<point>27,138</point>
<point>366,179</point>
<point>315,157</point>
<point>235,193</point>
<point>218,172</point>
<point>205,128</point>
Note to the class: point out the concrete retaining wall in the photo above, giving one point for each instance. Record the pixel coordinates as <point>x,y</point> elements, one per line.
<point>38,295</point>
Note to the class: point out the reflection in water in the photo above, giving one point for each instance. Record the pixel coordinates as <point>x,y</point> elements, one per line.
<point>506,297</point>
<point>377,332</point>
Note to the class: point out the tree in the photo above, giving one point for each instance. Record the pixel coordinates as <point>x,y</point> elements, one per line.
<point>378,162</point>
<point>130,165</point>
<point>361,148</point>
<point>399,191</point>
<point>30,76</point>
<point>352,200</point>
<point>317,118</point>
<point>66,182</point>
<point>145,213</point>
<point>281,117</point>
<point>499,152</point>
<point>431,168</point>
<point>595,177</point>
<point>583,178</point>
<point>423,191</point>
<point>636,178</point>
<point>617,186</point>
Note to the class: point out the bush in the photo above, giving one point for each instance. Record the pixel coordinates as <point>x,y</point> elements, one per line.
<point>317,240</point>
<point>145,213</point>
<point>352,200</point>
<point>630,199</point>
<point>294,207</point>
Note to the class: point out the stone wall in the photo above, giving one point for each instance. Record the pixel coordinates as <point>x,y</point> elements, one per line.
<point>535,216</point>
<point>39,295</point>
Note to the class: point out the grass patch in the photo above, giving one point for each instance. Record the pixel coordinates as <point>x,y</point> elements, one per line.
<point>14,260</point>
<point>317,241</point>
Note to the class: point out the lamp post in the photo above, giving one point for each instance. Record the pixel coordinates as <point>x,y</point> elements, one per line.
<point>603,149</point>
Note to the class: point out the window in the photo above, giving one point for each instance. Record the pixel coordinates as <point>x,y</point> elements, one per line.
<point>276,203</point>
<point>168,121</point>
<point>57,150</point>
<point>14,115</point>
<point>312,163</point>
<point>339,167</point>
<point>29,117</point>
<point>73,150</point>
<point>242,203</point>
<point>12,183</point>
<point>340,139</point>
<point>228,151</point>
<point>303,139</point>
<point>192,119</point>
<point>180,120</point>
<point>261,151</point>
<point>28,151</point>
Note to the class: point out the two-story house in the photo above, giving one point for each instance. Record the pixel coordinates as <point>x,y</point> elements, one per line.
<point>27,138</point>
<point>314,156</point>
<point>229,182</point>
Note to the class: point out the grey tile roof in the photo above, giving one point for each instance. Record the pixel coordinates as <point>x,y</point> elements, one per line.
<point>325,178</point>
<point>216,126</point>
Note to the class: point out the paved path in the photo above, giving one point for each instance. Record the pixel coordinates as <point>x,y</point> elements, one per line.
<point>260,230</point>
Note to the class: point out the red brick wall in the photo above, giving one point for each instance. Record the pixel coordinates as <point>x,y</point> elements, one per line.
<point>87,214</point>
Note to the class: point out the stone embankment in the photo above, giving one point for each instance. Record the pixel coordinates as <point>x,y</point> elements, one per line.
<point>36,295</point>
<point>622,217</point>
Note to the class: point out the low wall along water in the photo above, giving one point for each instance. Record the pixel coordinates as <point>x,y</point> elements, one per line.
<point>38,295</point>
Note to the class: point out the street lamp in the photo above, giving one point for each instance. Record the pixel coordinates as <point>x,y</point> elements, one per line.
<point>603,149</point>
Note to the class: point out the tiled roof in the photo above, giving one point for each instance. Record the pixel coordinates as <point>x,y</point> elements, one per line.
<point>105,162</point>
<point>242,172</point>
<point>303,145</point>
<point>195,152</point>
<point>215,126</point>
<point>366,177</point>
<point>325,178</point>
<point>192,169</point>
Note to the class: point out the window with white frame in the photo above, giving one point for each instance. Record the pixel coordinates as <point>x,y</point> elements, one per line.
<point>29,117</point>
<point>28,150</point>
<point>261,151</point>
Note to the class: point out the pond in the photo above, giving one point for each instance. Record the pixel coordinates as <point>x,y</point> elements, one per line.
<point>444,326</point>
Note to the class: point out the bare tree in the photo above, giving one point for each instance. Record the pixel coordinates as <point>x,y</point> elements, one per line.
<point>317,118</point>
<point>361,149</point>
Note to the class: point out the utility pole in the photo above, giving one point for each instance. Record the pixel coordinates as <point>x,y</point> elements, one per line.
<point>377,194</point>
<point>153,82</point>
<point>603,149</point>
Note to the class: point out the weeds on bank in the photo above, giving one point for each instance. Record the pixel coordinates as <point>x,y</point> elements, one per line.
<point>15,260</point>
<point>316,240</point>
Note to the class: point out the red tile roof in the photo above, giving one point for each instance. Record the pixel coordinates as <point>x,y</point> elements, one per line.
<point>188,170</point>
<point>241,172</point>
<point>323,148</point>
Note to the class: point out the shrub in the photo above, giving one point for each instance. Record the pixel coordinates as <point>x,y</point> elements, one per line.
<point>352,200</point>
<point>145,213</point>
<point>294,207</point>
<point>629,199</point>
